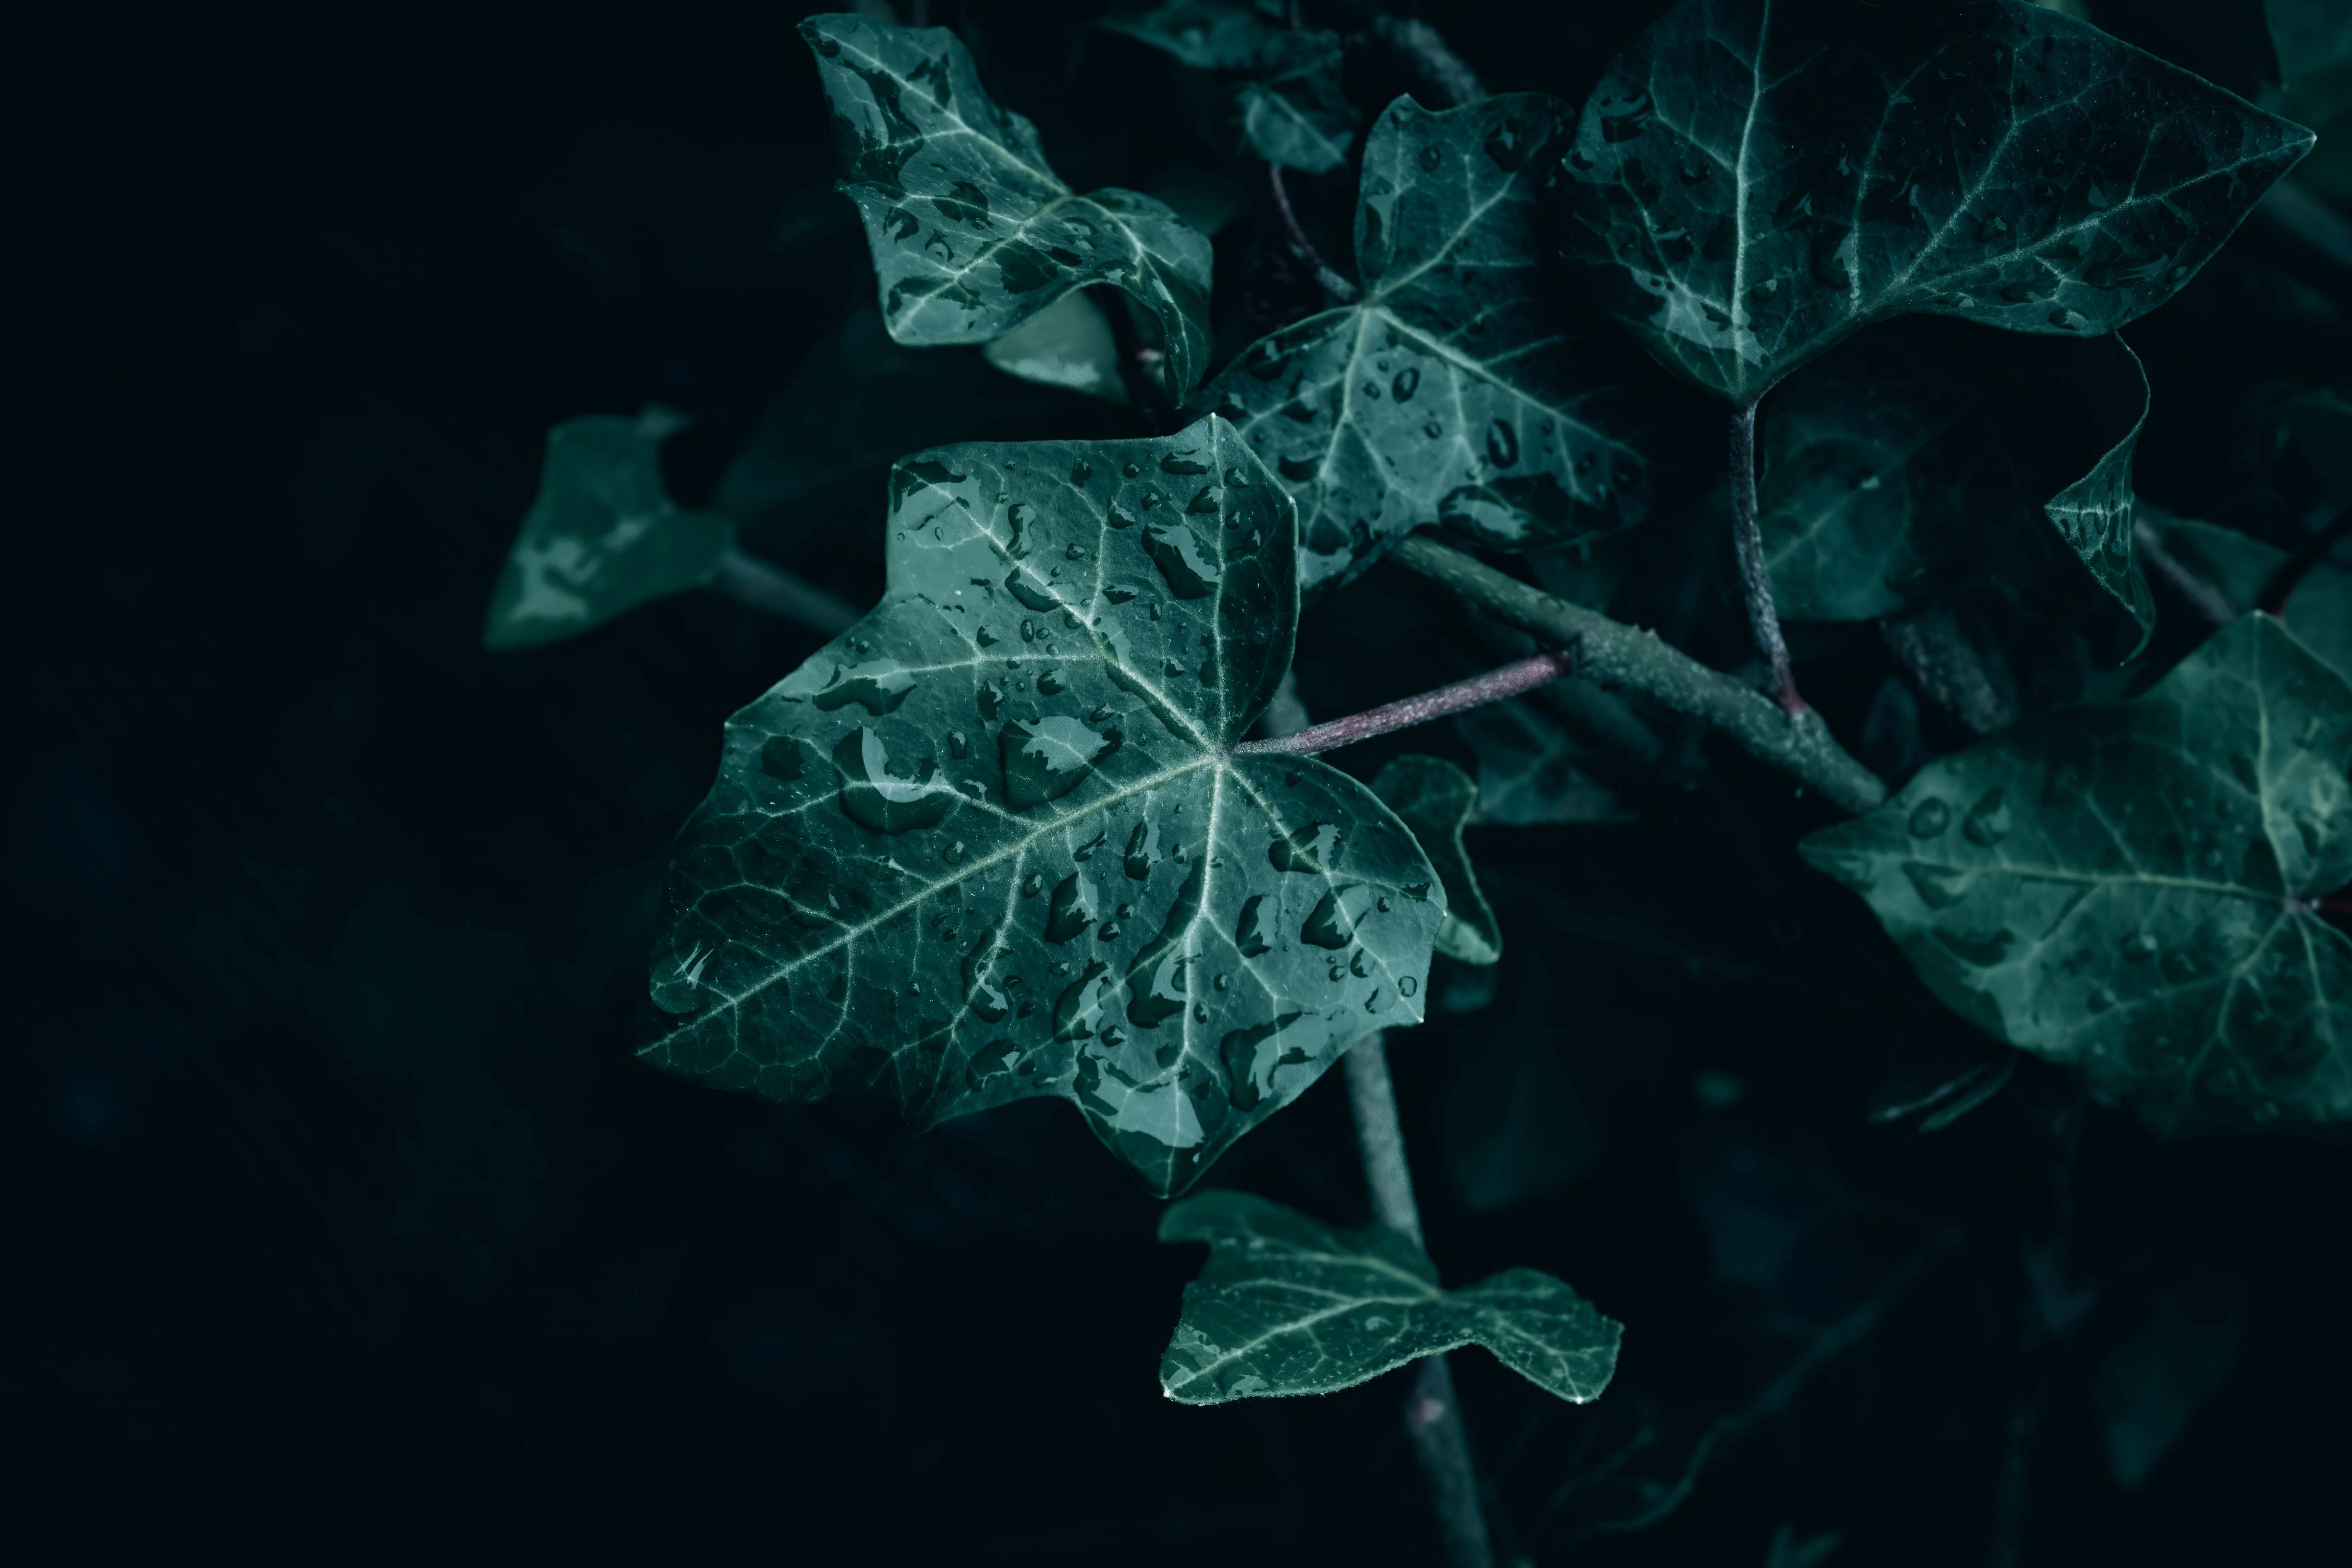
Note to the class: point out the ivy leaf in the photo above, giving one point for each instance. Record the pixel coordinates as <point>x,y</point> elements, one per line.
<point>1756,180</point>
<point>601,536</point>
<point>2319,610</point>
<point>1531,769</point>
<point>972,233</point>
<point>1433,798</point>
<point>1288,1305</point>
<point>1453,390</point>
<point>1281,84</point>
<point>2128,889</point>
<point>991,843</point>
<point>1910,460</point>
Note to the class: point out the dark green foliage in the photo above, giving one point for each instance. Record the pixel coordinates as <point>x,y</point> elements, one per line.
<point>989,843</point>
<point>2129,890</point>
<point>1454,391</point>
<point>1756,180</point>
<point>1288,1305</point>
<point>1280,86</point>
<point>603,536</point>
<point>1912,461</point>
<point>973,232</point>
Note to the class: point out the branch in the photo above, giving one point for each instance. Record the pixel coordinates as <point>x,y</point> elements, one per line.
<point>1432,1416</point>
<point>748,580</point>
<point>1615,654</point>
<point>2202,596</point>
<point>1475,692</point>
<point>1339,288</point>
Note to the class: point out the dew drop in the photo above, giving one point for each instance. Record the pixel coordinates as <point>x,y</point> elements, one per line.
<point>1050,682</point>
<point>2139,947</point>
<point>1430,157</point>
<point>1432,429</point>
<point>1222,981</point>
<point>1132,470</point>
<point>1404,383</point>
<point>1032,885</point>
<point>1408,985</point>
<point>959,744</point>
<point>1930,817</point>
<point>954,853</point>
<point>1502,443</point>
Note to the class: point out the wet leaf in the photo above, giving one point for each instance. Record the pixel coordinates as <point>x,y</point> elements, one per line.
<point>2126,889</point>
<point>602,535</point>
<point>1755,179</point>
<point>1456,390</point>
<point>1069,344</point>
<point>1280,85</point>
<point>989,843</point>
<point>1434,798</point>
<point>972,231</point>
<point>1910,460</point>
<point>1288,1305</point>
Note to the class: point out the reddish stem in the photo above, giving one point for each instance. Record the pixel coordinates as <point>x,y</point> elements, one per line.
<point>1748,534</point>
<point>1339,288</point>
<point>1475,692</point>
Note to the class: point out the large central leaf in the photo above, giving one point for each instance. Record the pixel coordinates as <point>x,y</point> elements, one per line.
<point>991,843</point>
<point>2129,888</point>
<point>973,232</point>
<point>1761,177</point>
<point>1454,391</point>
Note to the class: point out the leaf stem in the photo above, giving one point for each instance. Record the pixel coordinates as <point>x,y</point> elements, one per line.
<point>748,580</point>
<point>1748,534</point>
<point>1432,1416</point>
<point>1339,288</point>
<point>1475,692</point>
<point>1620,656</point>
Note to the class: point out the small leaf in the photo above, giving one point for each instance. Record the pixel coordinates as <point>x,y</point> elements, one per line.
<point>2319,610</point>
<point>601,536</point>
<point>1531,769</point>
<point>1433,798</point>
<point>1069,344</point>
<point>1281,84</point>
<point>1286,1305</point>
<point>1755,179</point>
<point>1454,391</point>
<point>991,843</point>
<point>1912,460</point>
<point>2128,888</point>
<point>972,233</point>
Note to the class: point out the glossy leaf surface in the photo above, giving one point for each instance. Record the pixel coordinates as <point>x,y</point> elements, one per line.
<point>1282,84</point>
<point>2124,889</point>
<point>601,536</point>
<point>1288,1305</point>
<point>1453,390</point>
<point>1435,799</point>
<point>989,843</point>
<point>972,231</point>
<point>1755,179</point>
<point>1911,460</point>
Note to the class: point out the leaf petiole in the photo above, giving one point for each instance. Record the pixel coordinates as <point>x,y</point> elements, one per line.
<point>1475,692</point>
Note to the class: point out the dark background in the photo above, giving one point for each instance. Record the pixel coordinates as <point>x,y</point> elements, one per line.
<point>342,1222</point>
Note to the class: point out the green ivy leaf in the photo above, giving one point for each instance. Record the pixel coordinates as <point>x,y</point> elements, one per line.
<point>2128,888</point>
<point>972,233</point>
<point>2319,610</point>
<point>1909,461</point>
<point>1288,1305</point>
<point>1434,798</point>
<point>991,843</point>
<point>1453,390</point>
<point>1757,179</point>
<point>601,536</point>
<point>1531,769</point>
<point>1282,85</point>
